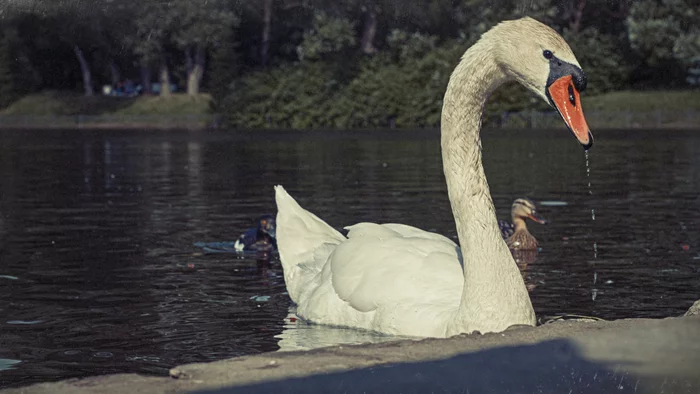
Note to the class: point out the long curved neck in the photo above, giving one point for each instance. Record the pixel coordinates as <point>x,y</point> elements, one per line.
<point>494,295</point>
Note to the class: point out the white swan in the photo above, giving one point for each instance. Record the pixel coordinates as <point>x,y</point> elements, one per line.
<point>401,280</point>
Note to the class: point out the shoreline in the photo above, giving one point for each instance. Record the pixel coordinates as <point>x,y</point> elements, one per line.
<point>58,124</point>
<point>628,355</point>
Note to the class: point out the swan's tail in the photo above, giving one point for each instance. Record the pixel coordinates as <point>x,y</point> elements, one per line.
<point>303,240</point>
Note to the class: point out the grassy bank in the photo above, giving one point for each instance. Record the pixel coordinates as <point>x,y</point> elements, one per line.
<point>53,103</point>
<point>624,109</point>
<point>70,110</point>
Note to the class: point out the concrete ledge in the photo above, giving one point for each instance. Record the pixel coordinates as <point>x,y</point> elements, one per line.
<point>623,356</point>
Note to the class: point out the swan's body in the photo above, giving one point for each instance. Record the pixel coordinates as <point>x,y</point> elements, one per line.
<point>402,280</point>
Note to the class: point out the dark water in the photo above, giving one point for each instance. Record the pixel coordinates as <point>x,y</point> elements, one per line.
<point>99,274</point>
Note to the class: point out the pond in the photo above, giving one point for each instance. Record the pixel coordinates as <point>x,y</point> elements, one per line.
<point>99,274</point>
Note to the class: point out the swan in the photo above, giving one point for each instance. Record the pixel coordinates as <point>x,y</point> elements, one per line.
<point>516,234</point>
<point>400,280</point>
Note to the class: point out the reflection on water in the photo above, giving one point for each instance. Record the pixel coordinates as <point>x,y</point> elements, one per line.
<point>100,274</point>
<point>298,334</point>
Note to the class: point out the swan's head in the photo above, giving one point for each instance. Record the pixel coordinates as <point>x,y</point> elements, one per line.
<point>524,208</point>
<point>538,57</point>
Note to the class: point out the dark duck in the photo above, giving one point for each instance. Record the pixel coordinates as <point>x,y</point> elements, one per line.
<point>515,234</point>
<point>259,238</point>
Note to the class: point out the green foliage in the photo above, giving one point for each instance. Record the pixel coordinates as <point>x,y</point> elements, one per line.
<point>288,96</point>
<point>224,68</point>
<point>664,30</point>
<point>405,45</point>
<point>381,93</point>
<point>317,76</point>
<point>329,35</point>
<point>199,23</point>
<point>601,57</point>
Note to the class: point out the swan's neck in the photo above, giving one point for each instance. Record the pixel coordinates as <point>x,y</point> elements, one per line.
<point>494,295</point>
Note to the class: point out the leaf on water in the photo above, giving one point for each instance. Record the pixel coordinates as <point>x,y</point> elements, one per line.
<point>24,322</point>
<point>6,363</point>
<point>553,203</point>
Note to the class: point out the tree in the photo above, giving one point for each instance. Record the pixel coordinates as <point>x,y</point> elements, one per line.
<point>153,28</point>
<point>664,31</point>
<point>601,57</point>
<point>199,25</point>
<point>328,35</point>
<point>7,73</point>
<point>267,26</point>
<point>224,67</point>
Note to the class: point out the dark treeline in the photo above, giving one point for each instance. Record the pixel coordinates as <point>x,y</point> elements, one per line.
<point>327,63</point>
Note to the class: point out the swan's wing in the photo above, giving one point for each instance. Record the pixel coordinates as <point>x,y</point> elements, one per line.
<point>299,232</point>
<point>372,229</point>
<point>304,242</point>
<point>378,266</point>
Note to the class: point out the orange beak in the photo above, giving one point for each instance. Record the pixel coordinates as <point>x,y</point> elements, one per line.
<point>537,218</point>
<point>566,98</point>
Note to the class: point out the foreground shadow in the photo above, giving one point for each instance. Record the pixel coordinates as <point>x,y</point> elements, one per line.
<point>555,366</point>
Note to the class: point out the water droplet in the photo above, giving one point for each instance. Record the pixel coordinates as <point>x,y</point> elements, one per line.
<point>594,291</point>
<point>103,354</point>
<point>595,250</point>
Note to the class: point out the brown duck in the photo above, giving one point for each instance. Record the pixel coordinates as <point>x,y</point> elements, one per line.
<point>515,233</point>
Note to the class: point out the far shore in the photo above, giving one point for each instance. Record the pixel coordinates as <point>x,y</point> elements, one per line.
<point>207,122</point>
<point>664,110</point>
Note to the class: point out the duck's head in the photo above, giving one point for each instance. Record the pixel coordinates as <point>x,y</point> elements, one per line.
<point>524,208</point>
<point>267,225</point>
<point>538,57</point>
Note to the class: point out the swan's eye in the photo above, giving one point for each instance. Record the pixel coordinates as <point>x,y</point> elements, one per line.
<point>547,54</point>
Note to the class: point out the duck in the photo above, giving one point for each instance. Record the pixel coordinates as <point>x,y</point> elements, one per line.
<point>260,237</point>
<point>400,280</point>
<point>515,233</point>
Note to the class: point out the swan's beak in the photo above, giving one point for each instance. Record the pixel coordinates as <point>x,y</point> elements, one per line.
<point>537,218</point>
<point>566,99</point>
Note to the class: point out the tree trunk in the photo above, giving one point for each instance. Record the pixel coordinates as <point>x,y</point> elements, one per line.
<point>85,69</point>
<point>267,25</point>
<point>575,24</point>
<point>369,31</point>
<point>195,70</point>
<point>114,73</point>
<point>164,79</point>
<point>146,78</point>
